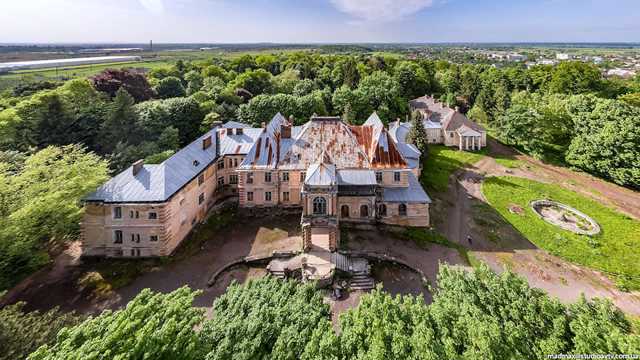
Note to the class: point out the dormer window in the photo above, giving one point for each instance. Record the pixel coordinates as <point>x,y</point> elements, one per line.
<point>229,131</point>
<point>239,131</point>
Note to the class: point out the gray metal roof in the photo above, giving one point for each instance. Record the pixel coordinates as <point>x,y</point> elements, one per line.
<point>238,144</point>
<point>157,183</point>
<point>321,174</point>
<point>399,132</point>
<point>231,124</point>
<point>412,194</point>
<point>356,177</point>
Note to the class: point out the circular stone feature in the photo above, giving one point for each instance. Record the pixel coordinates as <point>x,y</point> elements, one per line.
<point>565,217</point>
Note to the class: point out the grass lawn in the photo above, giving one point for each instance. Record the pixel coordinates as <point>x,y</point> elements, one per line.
<point>443,161</point>
<point>615,251</point>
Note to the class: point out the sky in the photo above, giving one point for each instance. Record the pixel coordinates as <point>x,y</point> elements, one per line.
<point>318,21</point>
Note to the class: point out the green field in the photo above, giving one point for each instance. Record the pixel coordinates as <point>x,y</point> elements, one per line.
<point>615,251</point>
<point>441,162</point>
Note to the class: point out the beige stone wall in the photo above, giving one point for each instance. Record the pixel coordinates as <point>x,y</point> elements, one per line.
<point>99,226</point>
<point>434,136</point>
<point>388,178</point>
<point>417,215</point>
<point>354,203</point>
<point>277,186</point>
<point>173,222</point>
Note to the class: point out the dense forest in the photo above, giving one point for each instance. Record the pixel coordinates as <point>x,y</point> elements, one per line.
<point>474,315</point>
<point>59,141</point>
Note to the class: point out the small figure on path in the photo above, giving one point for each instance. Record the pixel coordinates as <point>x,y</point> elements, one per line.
<point>469,239</point>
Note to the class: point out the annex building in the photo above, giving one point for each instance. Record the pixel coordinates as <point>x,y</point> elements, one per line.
<point>448,126</point>
<point>330,171</point>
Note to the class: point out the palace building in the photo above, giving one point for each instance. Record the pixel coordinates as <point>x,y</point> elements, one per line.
<point>330,171</point>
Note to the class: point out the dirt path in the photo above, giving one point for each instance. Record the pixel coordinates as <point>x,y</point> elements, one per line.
<point>556,276</point>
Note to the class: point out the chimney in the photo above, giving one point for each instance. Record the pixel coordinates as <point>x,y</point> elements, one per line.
<point>216,124</point>
<point>263,125</point>
<point>137,166</point>
<point>285,131</point>
<point>457,108</point>
<point>206,143</point>
<point>291,119</point>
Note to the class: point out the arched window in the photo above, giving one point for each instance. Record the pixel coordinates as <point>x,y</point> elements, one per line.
<point>319,206</point>
<point>364,211</point>
<point>382,210</point>
<point>402,210</point>
<point>344,211</point>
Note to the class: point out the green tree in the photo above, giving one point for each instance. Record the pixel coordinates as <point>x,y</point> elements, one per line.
<point>575,77</point>
<point>267,318</point>
<point>152,326</point>
<point>412,80</point>
<point>170,87</point>
<point>607,140</point>
<point>195,82</point>
<point>22,332</point>
<point>41,204</point>
<point>256,82</point>
<point>417,134</point>
<point>120,122</point>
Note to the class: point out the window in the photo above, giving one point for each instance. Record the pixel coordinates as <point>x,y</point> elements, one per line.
<point>364,211</point>
<point>131,214</point>
<point>153,238</point>
<point>229,131</point>
<point>319,206</point>
<point>249,178</point>
<point>239,131</point>
<point>344,211</point>
<point>402,210</point>
<point>378,176</point>
<point>200,179</point>
<point>233,179</point>
<point>117,212</point>
<point>200,199</point>
<point>220,164</point>
<point>285,176</point>
<point>267,196</point>
<point>221,181</point>
<point>133,237</point>
<point>137,214</point>
<point>117,237</point>
<point>302,176</point>
<point>396,176</point>
<point>451,134</point>
<point>153,216</point>
<point>230,162</point>
<point>285,196</point>
<point>267,177</point>
<point>249,195</point>
<point>382,210</point>
<point>138,238</point>
<point>235,162</point>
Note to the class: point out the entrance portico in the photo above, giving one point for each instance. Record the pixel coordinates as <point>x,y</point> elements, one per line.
<point>469,139</point>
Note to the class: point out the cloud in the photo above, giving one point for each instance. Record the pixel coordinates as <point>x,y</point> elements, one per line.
<point>381,10</point>
<point>154,6</point>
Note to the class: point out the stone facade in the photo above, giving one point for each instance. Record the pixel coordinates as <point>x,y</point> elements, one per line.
<point>332,171</point>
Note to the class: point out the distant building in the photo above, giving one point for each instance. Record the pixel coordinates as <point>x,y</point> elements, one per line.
<point>517,57</point>
<point>563,56</point>
<point>43,64</point>
<point>445,125</point>
<point>622,73</point>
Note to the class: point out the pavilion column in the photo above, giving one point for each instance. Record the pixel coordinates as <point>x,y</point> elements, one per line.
<point>466,143</point>
<point>460,142</point>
